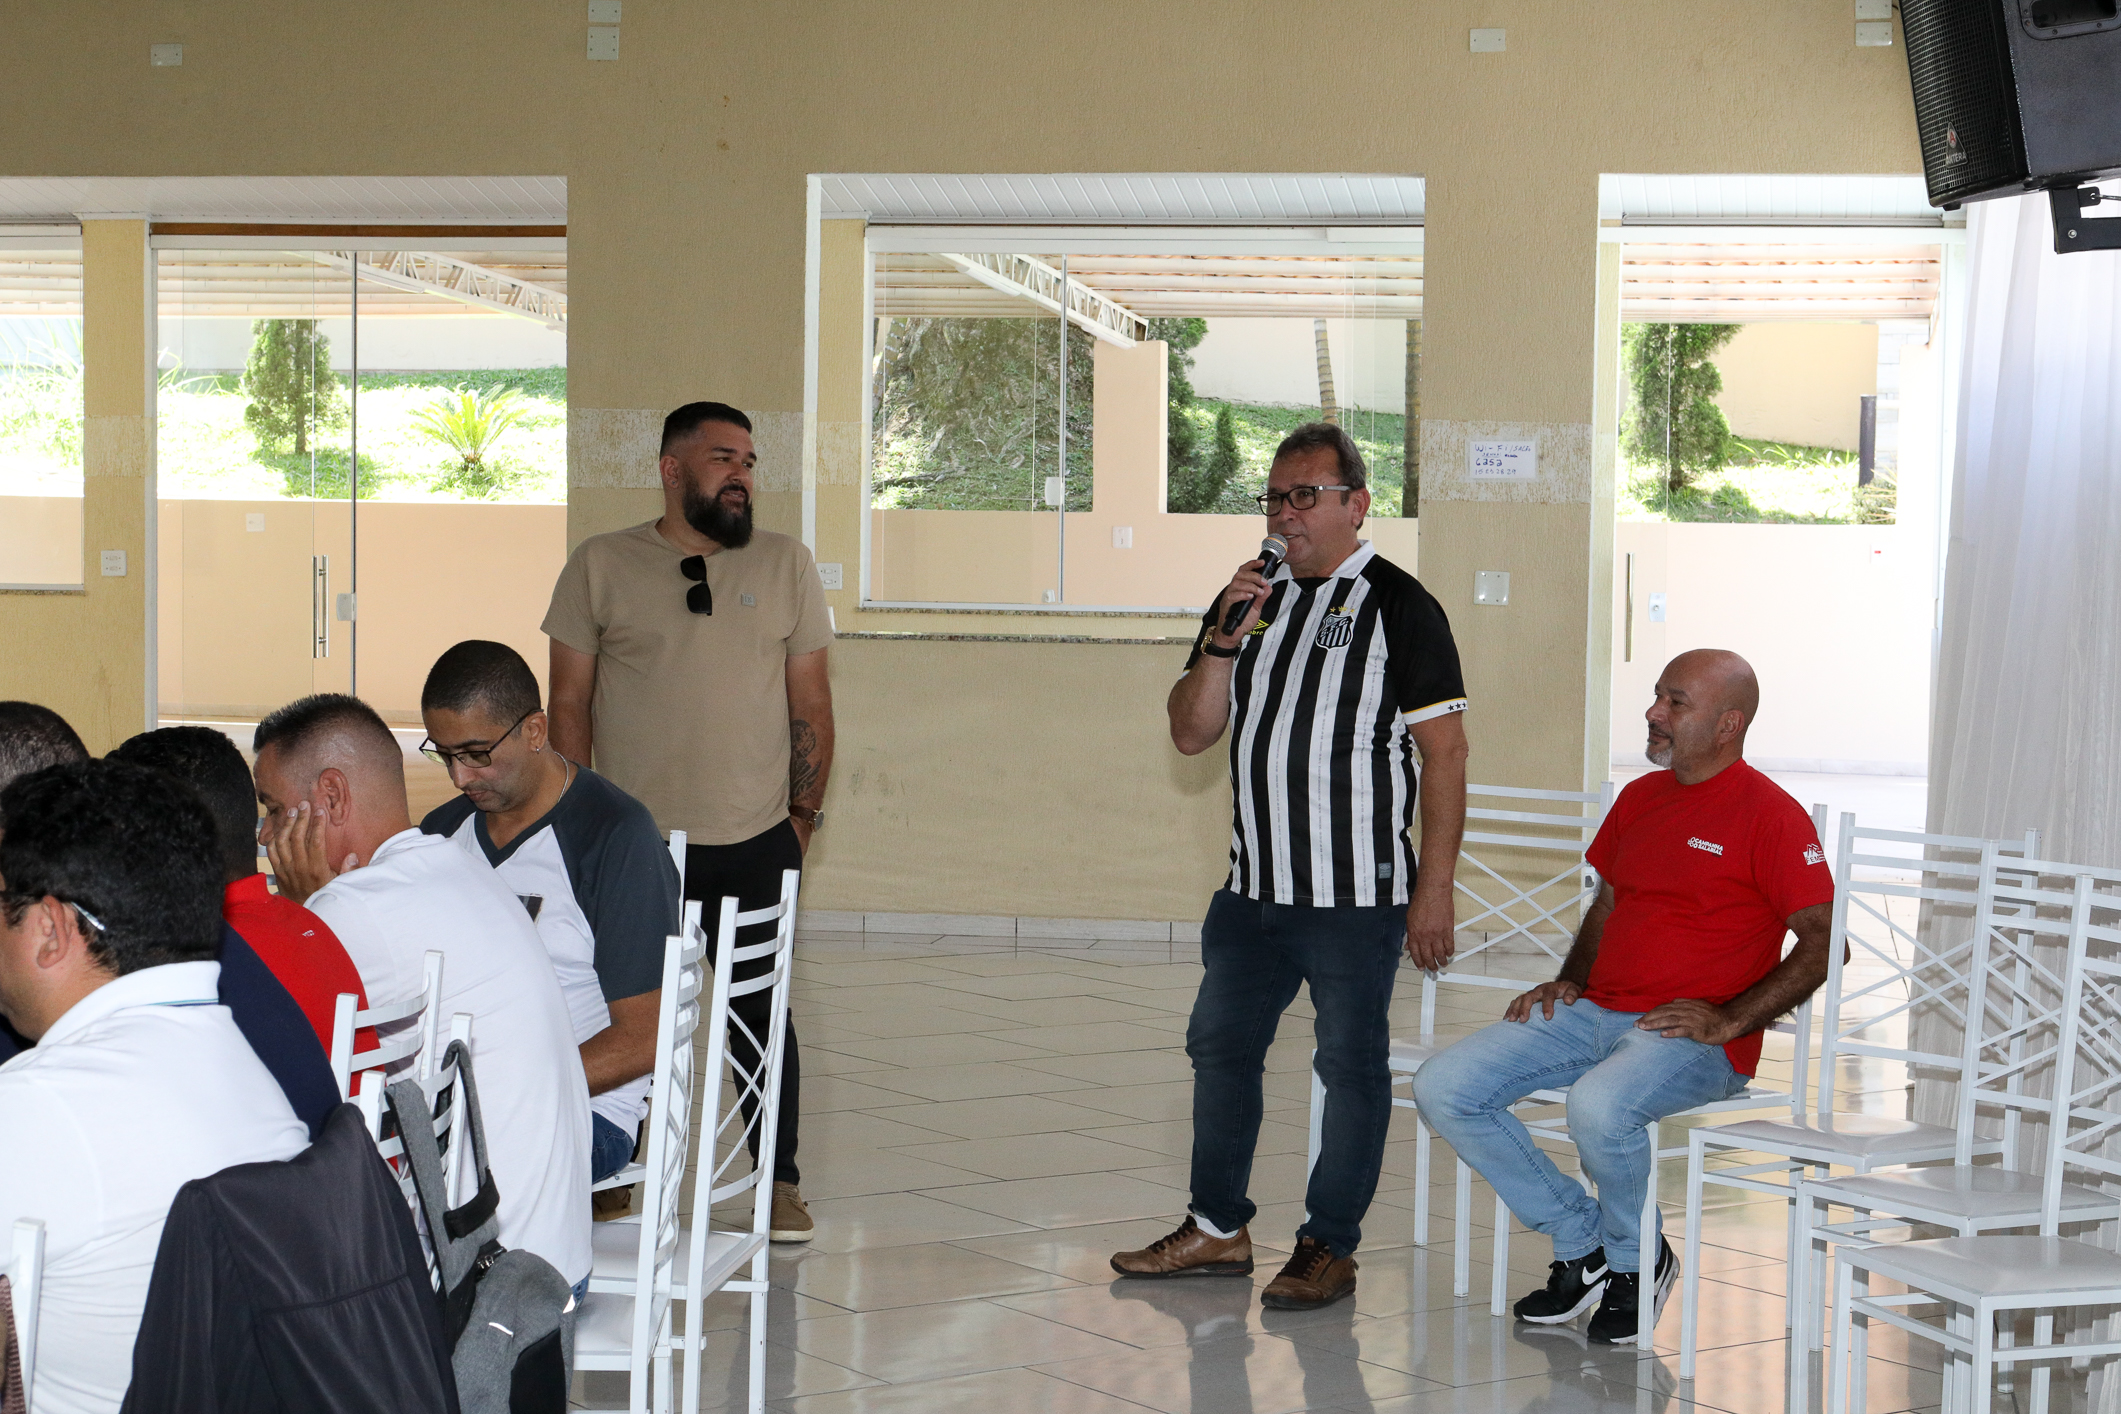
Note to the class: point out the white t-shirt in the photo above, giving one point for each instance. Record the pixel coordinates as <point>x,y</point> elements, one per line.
<point>420,893</point>
<point>144,1085</point>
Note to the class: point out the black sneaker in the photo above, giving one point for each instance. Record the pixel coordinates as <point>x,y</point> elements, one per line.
<point>1616,1322</point>
<point>1571,1288</point>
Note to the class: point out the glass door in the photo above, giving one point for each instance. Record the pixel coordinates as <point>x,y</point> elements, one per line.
<point>255,438</point>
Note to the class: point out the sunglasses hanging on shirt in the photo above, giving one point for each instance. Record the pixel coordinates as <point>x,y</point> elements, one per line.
<point>699,598</point>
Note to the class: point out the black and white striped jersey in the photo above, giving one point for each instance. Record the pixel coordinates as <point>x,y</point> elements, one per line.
<point>1322,767</point>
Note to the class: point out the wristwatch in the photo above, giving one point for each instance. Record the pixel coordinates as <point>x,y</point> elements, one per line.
<point>815,819</point>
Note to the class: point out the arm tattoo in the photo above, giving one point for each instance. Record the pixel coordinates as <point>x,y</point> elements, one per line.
<point>803,778</point>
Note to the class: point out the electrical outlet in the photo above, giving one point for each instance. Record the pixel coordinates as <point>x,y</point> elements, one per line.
<point>831,576</point>
<point>165,56</point>
<point>1874,34</point>
<point>1122,537</point>
<point>1487,41</point>
<point>113,564</point>
<point>1491,587</point>
<point>604,42</point>
<point>606,12</point>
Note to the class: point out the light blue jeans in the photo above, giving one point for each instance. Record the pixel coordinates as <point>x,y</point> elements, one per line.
<point>1618,1079</point>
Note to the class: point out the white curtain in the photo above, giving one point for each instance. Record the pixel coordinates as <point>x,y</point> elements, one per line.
<point>2026,723</point>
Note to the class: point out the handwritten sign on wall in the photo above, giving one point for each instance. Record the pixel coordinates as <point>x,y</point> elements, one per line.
<point>1503,460</point>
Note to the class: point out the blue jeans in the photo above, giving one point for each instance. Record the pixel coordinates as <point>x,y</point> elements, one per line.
<point>610,1148</point>
<point>1256,955</point>
<point>1618,1078</point>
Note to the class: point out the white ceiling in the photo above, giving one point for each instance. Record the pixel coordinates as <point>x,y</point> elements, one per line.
<point>370,200</point>
<point>1171,198</point>
<point>1772,199</point>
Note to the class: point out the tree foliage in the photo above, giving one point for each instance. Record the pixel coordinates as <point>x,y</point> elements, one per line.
<point>1673,422</point>
<point>291,386</point>
<point>1194,475</point>
<point>967,414</point>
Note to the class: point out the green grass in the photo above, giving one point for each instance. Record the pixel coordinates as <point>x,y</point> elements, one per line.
<point>1260,428</point>
<point>1771,483</point>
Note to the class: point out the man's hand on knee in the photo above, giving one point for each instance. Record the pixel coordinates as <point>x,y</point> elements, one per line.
<point>1696,1021</point>
<point>1544,996</point>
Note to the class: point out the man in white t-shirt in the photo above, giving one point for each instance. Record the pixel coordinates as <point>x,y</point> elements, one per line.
<point>110,918</point>
<point>582,855</point>
<point>332,780</point>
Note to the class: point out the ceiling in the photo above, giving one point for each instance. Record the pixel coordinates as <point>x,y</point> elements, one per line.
<point>343,200</point>
<point>1774,199</point>
<point>256,284</point>
<point>1171,198</point>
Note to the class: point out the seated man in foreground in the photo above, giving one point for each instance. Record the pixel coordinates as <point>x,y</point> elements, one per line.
<point>1674,974</point>
<point>332,780</point>
<point>110,915</point>
<point>582,855</point>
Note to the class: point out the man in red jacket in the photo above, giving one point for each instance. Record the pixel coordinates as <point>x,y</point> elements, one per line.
<point>298,946</point>
<point>1676,970</point>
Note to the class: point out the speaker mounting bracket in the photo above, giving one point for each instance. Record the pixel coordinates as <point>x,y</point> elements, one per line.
<point>2075,231</point>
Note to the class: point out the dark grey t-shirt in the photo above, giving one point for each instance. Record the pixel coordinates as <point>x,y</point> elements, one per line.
<point>603,891</point>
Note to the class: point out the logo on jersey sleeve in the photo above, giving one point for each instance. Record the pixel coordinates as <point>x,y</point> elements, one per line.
<point>1338,630</point>
<point>1712,848</point>
<point>1813,854</point>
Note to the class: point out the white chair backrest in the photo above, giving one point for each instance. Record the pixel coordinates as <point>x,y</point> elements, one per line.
<point>2085,1123</point>
<point>669,1141</point>
<point>723,1138</point>
<point>25,1286</point>
<point>444,1098</point>
<point>405,1027</point>
<point>1503,834</point>
<point>1898,947</point>
<point>677,856</point>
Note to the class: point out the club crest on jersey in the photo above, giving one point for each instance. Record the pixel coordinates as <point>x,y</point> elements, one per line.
<point>1705,844</point>
<point>1337,630</point>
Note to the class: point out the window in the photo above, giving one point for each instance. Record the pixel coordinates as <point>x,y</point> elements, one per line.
<point>42,417</point>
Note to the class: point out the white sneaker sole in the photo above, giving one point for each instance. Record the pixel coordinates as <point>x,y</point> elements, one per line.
<point>789,1235</point>
<point>1667,1278</point>
<point>1592,1295</point>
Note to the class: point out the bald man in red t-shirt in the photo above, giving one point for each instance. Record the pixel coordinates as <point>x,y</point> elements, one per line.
<point>1676,971</point>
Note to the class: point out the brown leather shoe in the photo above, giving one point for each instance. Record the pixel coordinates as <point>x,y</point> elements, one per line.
<point>1189,1252</point>
<point>1312,1278</point>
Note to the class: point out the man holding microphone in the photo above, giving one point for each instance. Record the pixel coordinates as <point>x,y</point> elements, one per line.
<point>1331,667</point>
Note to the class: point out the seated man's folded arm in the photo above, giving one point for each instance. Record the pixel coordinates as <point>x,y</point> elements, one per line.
<point>1796,977</point>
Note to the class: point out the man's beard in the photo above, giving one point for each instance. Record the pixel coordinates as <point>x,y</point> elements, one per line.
<point>729,529</point>
<point>1659,752</point>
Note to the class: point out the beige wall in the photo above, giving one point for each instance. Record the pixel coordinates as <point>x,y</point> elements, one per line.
<point>40,540</point>
<point>686,163</point>
<point>1798,382</point>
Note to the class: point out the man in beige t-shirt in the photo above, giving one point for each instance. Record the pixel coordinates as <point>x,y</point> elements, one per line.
<point>688,657</point>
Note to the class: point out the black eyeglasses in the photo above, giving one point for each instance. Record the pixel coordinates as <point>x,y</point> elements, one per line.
<point>699,598</point>
<point>478,759</point>
<point>1301,497</point>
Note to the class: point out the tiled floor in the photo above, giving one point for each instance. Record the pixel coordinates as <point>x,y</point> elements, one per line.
<point>986,1123</point>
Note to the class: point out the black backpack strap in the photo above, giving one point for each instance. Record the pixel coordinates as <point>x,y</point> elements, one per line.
<point>466,1239</point>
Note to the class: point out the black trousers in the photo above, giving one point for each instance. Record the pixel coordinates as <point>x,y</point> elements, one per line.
<point>750,871</point>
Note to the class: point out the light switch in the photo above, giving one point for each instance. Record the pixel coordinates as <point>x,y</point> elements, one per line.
<point>1874,34</point>
<point>831,577</point>
<point>1122,537</point>
<point>1657,608</point>
<point>165,56</point>
<point>254,520</point>
<point>1491,586</point>
<point>114,564</point>
<point>1487,41</point>
<point>603,41</point>
<point>606,12</point>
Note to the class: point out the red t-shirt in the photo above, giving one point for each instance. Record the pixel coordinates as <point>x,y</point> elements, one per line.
<point>301,950</point>
<point>1704,880</point>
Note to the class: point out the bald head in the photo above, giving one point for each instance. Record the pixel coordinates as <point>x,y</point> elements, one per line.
<point>1706,700</point>
<point>334,753</point>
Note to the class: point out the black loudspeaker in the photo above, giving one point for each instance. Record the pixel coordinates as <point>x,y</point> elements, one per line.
<point>2014,95</point>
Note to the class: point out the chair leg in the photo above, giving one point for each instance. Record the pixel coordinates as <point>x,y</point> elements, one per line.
<point>2043,1334</point>
<point>1800,1312</point>
<point>1690,1276</point>
<point>1462,1249</point>
<point>1421,1180</point>
<point>1646,1254</point>
<point>1837,1371</point>
<point>1860,1347</point>
<point>1318,1118</point>
<point>756,1402</point>
<point>1984,1381</point>
<point>1499,1276</point>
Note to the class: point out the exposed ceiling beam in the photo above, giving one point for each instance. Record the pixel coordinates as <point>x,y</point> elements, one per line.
<point>1034,280</point>
<point>429,272</point>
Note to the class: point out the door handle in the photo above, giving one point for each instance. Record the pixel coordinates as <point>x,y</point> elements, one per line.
<point>320,606</point>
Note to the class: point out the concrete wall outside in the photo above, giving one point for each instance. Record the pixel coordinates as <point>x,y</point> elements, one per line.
<point>1835,619</point>
<point>1276,361</point>
<point>40,540</point>
<point>1798,382</point>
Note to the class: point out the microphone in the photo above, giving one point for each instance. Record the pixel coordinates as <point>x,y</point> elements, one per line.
<point>1271,550</point>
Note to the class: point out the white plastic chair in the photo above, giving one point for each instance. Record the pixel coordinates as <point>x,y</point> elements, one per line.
<point>412,1018</point>
<point>438,1078</point>
<point>1985,1282</point>
<point>715,1256</point>
<point>25,1286</point>
<point>1507,912</point>
<point>1880,971</point>
<point>629,1174</point>
<point>622,1327</point>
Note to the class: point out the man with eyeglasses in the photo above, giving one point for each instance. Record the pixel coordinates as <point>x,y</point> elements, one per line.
<point>1339,669</point>
<point>140,1081</point>
<point>582,855</point>
<point>688,666</point>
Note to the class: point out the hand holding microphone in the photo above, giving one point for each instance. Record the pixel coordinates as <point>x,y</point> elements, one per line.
<point>1250,584</point>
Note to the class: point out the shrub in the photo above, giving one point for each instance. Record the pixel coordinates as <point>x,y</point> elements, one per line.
<point>1198,488</point>
<point>1673,422</point>
<point>290,383</point>
<point>469,423</point>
